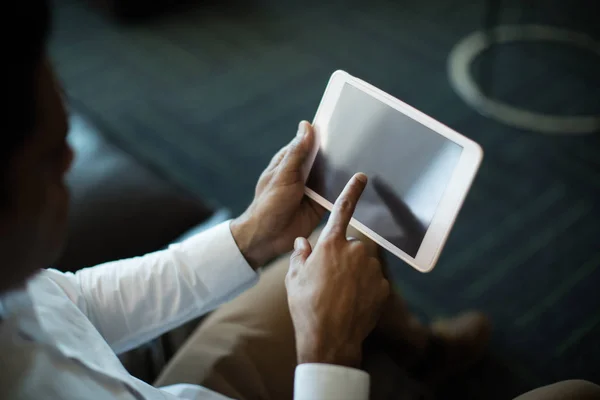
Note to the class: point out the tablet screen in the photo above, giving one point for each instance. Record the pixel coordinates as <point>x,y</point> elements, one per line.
<point>409,166</point>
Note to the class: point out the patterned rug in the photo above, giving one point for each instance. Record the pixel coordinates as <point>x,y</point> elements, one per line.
<point>207,95</point>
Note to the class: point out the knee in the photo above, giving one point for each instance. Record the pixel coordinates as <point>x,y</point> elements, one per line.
<point>580,389</point>
<point>584,389</point>
<point>565,390</point>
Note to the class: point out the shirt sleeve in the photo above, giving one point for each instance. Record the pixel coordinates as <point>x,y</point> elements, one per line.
<point>330,382</point>
<point>135,300</point>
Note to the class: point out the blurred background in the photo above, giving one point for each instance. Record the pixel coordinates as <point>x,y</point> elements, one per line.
<point>203,93</point>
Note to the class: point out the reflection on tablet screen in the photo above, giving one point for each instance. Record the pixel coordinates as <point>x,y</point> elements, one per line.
<point>408,165</point>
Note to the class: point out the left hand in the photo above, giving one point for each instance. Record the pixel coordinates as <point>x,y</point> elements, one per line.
<point>280,212</point>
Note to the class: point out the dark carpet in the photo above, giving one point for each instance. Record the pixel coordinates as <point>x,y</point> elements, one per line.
<point>207,95</point>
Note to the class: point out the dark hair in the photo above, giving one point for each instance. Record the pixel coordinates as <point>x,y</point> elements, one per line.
<point>29,24</point>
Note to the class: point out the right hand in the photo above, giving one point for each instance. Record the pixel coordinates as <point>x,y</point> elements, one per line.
<point>336,292</point>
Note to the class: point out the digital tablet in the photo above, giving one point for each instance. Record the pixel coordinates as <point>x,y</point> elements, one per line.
<point>419,170</point>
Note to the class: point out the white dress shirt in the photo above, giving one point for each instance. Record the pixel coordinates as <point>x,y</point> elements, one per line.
<point>60,336</point>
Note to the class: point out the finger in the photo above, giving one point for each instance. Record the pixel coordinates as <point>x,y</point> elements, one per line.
<point>302,250</point>
<point>384,290</point>
<point>277,158</point>
<point>344,207</point>
<point>298,149</point>
<point>357,244</point>
<point>375,266</point>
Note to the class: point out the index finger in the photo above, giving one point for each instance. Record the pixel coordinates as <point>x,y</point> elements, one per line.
<point>344,207</point>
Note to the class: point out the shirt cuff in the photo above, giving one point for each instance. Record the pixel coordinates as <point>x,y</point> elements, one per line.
<point>225,273</point>
<point>330,382</point>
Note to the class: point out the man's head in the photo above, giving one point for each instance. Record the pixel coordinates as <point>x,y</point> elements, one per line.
<point>34,155</point>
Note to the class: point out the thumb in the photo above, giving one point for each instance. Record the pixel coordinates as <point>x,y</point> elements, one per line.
<point>302,250</point>
<point>299,149</point>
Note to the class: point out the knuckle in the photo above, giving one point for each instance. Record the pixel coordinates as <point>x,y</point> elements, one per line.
<point>297,146</point>
<point>286,175</point>
<point>330,243</point>
<point>277,156</point>
<point>359,248</point>
<point>291,274</point>
<point>374,263</point>
<point>344,204</point>
<point>385,288</point>
<point>281,168</point>
<point>265,177</point>
<point>295,258</point>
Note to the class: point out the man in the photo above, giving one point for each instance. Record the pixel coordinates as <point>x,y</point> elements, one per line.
<point>59,333</point>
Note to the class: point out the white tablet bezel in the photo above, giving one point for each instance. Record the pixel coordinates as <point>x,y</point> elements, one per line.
<point>454,194</point>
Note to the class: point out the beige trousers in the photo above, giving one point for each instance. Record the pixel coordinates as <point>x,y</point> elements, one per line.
<point>246,350</point>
